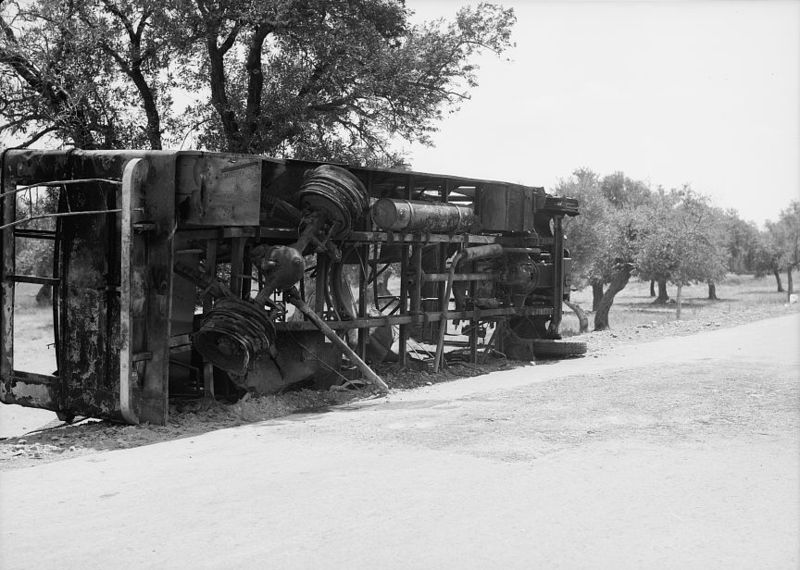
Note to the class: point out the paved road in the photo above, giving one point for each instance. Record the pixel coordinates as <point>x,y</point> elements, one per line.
<point>682,453</point>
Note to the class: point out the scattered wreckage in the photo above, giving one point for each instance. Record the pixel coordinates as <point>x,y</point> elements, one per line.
<point>190,274</point>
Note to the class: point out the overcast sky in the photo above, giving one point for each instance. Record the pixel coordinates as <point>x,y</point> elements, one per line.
<point>705,93</point>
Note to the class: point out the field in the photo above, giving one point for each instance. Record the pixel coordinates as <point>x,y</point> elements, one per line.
<point>742,298</point>
<point>33,332</point>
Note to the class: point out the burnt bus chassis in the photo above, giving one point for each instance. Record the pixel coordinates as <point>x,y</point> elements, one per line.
<point>124,319</point>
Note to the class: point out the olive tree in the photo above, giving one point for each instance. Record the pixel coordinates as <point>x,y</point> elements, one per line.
<point>322,79</point>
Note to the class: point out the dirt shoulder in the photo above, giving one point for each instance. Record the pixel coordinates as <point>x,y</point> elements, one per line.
<point>59,441</point>
<point>678,453</point>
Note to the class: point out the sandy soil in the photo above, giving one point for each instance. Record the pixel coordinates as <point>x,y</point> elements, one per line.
<point>678,453</point>
<point>29,436</point>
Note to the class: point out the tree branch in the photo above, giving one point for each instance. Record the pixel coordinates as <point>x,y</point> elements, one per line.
<point>255,79</point>
<point>37,136</point>
<point>121,17</point>
<point>142,24</point>
<point>228,43</point>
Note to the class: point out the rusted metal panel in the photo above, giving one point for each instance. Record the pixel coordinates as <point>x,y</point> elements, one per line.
<point>89,317</point>
<point>506,207</point>
<point>8,210</point>
<point>132,292</point>
<point>219,190</point>
<point>157,200</point>
<point>31,390</point>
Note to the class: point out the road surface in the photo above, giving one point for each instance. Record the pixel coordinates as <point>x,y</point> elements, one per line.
<point>680,453</point>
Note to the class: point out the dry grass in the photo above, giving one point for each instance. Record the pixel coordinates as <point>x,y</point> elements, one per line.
<point>741,298</point>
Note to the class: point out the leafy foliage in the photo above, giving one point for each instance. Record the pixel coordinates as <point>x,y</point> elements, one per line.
<point>587,234</point>
<point>88,74</point>
<point>333,79</point>
<point>323,79</point>
<point>742,241</point>
<point>686,243</point>
<point>36,256</point>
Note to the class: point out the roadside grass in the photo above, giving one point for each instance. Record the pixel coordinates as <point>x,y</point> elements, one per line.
<point>739,296</point>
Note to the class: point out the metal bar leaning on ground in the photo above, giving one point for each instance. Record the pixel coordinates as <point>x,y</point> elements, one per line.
<point>294,298</point>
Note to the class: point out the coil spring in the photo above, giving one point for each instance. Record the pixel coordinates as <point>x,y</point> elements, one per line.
<point>337,193</point>
<point>233,333</point>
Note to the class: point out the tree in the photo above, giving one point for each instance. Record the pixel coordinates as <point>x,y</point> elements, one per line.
<point>785,241</point>
<point>686,243</point>
<point>656,258</point>
<point>742,242</point>
<point>584,231</point>
<point>769,256</point>
<point>605,238</point>
<point>323,79</point>
<point>699,245</point>
<point>89,73</point>
<point>622,192</point>
<point>333,79</point>
<point>622,239</point>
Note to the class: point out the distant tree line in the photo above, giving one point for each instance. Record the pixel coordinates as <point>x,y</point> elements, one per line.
<point>626,229</point>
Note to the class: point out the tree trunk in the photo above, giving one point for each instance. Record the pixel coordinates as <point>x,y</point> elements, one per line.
<point>652,287</point>
<point>150,109</point>
<point>597,294</point>
<point>663,296</point>
<point>255,83</point>
<point>712,291</point>
<point>44,296</point>
<point>583,320</point>
<point>617,284</point>
<point>789,285</point>
<point>217,80</point>
<point>777,275</point>
<point>678,301</point>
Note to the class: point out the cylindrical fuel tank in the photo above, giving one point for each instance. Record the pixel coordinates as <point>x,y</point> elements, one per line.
<point>416,216</point>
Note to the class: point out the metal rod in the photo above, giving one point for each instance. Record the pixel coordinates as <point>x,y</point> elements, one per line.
<point>7,287</point>
<point>293,296</point>
<point>403,305</point>
<point>439,277</point>
<point>29,233</point>
<point>208,304</point>
<point>473,331</point>
<point>61,183</point>
<point>416,284</point>
<point>362,298</point>
<point>61,215</point>
<point>432,317</point>
<point>237,266</point>
<point>443,324</point>
<point>34,279</point>
<point>55,292</point>
<point>558,276</point>
<point>126,200</point>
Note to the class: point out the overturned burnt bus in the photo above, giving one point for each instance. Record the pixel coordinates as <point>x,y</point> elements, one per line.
<point>188,274</point>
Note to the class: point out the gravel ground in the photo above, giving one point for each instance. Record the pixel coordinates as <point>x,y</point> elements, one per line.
<point>678,453</point>
<point>60,441</point>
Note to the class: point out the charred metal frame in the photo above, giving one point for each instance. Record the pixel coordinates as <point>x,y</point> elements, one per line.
<point>124,318</point>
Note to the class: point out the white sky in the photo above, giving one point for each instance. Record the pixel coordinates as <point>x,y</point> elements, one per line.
<point>706,93</point>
